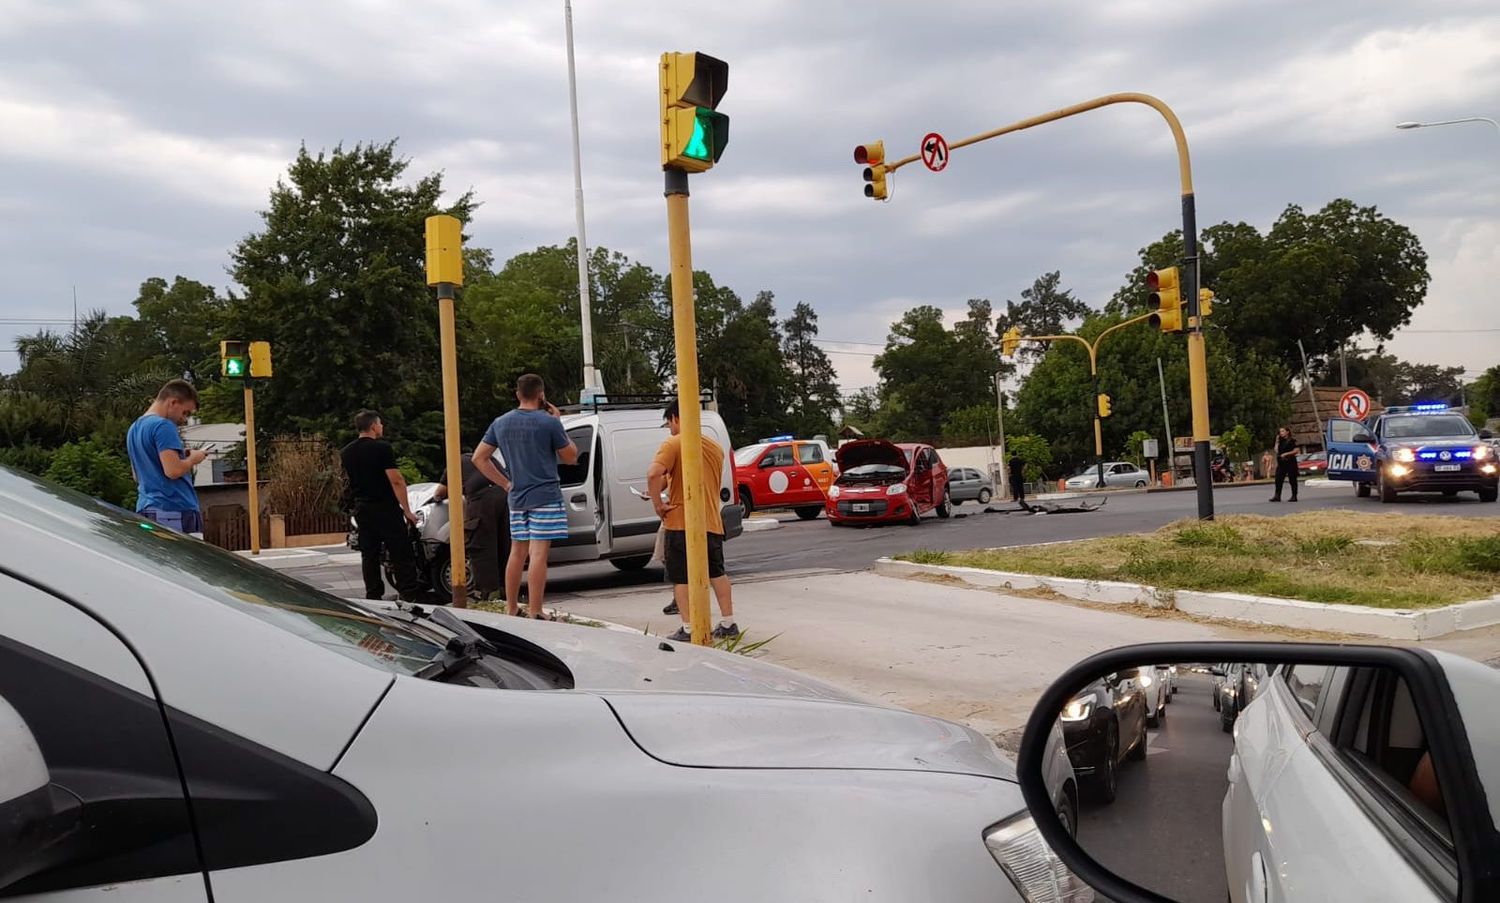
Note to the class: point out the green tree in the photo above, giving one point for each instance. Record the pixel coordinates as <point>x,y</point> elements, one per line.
<point>974,425</point>
<point>178,326</point>
<point>1044,309</point>
<point>92,467</point>
<point>1484,396</point>
<point>1237,443</point>
<point>744,362</point>
<point>335,280</point>
<point>927,370</point>
<point>814,388</point>
<point>1135,449</point>
<point>1035,451</point>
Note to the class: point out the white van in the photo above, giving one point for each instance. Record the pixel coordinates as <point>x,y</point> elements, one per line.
<point>609,517</point>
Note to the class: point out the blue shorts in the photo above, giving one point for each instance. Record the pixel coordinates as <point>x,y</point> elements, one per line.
<point>548,523</point>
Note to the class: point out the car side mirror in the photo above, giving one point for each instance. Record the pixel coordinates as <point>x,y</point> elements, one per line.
<point>36,817</point>
<point>1422,765</point>
<point>767,463</point>
<point>1363,437</point>
<point>1486,434</point>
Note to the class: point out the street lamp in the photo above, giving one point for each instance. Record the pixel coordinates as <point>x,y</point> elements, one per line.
<point>1405,126</point>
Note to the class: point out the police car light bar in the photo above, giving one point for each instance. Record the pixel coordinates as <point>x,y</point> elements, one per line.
<point>786,438</point>
<point>1429,407</point>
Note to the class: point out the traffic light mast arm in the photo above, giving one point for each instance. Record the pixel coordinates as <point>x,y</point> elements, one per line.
<point>1184,167</point>
<point>1093,346</point>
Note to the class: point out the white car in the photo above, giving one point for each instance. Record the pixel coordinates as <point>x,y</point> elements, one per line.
<point>1327,798</point>
<point>191,726</point>
<point>1117,474</point>
<point>1152,680</point>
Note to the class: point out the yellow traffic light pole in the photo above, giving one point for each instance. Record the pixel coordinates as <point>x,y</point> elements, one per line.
<point>1093,348</point>
<point>1197,357</point>
<point>445,270</point>
<point>253,488</point>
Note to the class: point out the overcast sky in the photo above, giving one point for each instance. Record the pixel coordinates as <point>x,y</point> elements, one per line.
<point>141,138</point>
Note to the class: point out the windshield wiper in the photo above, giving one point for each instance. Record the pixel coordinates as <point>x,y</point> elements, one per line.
<point>466,647</point>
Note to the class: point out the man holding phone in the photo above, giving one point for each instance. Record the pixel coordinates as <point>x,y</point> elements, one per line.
<point>532,441</point>
<point>162,467</point>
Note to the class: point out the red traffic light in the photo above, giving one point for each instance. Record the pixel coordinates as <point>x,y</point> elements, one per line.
<point>1152,281</point>
<point>861,155</point>
<point>872,154</point>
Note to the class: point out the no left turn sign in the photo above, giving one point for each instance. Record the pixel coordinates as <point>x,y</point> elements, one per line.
<point>934,152</point>
<point>1355,405</point>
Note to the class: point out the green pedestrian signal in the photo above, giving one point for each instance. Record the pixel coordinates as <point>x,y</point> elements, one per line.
<point>232,359</point>
<point>234,367</point>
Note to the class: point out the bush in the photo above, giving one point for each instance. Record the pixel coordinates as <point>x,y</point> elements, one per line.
<point>31,458</point>
<point>1035,451</point>
<point>411,471</point>
<point>306,476</point>
<point>1480,554</point>
<point>97,469</point>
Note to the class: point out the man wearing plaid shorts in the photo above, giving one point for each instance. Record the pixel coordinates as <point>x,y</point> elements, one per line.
<point>532,441</point>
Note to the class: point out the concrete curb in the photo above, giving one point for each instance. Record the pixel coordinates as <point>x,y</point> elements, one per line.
<point>1395,624</point>
<point>286,559</point>
<point>761,524</point>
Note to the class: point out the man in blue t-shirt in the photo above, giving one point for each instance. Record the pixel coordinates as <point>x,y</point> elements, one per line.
<point>163,468</point>
<point>532,440</point>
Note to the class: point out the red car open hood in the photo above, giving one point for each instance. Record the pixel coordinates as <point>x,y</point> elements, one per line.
<point>870,451</point>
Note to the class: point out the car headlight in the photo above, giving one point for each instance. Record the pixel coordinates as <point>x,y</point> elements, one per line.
<point>834,492</point>
<point>1145,680</point>
<point>896,489</point>
<point>421,514</point>
<point>1482,452</point>
<point>1404,455</point>
<point>1078,709</point>
<point>1398,470</point>
<point>1031,865</point>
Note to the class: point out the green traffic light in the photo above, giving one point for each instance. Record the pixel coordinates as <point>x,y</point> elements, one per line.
<point>698,146</point>
<point>234,367</point>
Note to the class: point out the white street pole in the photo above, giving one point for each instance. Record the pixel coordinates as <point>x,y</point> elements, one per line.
<point>1428,125</point>
<point>590,374</point>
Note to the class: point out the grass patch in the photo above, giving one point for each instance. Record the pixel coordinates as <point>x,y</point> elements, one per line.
<point>1414,561</point>
<point>926,556</point>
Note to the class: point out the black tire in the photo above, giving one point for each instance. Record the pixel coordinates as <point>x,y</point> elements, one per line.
<point>1106,782</point>
<point>945,509</point>
<point>957,502</point>
<point>1450,493</point>
<point>1153,718</point>
<point>1387,494</point>
<point>1489,495</point>
<point>1216,700</point>
<point>1362,490</point>
<point>1226,719</point>
<point>746,501</point>
<point>1067,813</point>
<point>634,563</point>
<point>984,496</point>
<point>809,512</point>
<point>1140,484</point>
<point>442,575</point>
<point>915,518</point>
<point>1161,713</point>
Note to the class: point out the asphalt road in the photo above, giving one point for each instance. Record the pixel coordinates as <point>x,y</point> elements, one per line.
<point>815,546</point>
<point>1162,831</point>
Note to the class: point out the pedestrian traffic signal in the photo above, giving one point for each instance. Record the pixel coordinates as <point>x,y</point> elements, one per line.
<point>260,359</point>
<point>232,362</point>
<point>873,156</point>
<point>1165,299</point>
<point>1205,302</point>
<point>693,135</point>
<point>1010,341</point>
<point>1104,408</point>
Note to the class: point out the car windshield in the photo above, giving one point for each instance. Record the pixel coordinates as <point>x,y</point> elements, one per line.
<point>1427,426</point>
<point>748,454</point>
<point>875,470</point>
<point>218,576</point>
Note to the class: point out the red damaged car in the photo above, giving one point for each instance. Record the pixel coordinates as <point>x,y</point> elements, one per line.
<point>881,482</point>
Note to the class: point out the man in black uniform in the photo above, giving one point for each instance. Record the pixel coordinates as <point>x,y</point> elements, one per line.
<point>380,503</point>
<point>486,525</point>
<point>1286,462</point>
<point>1017,468</point>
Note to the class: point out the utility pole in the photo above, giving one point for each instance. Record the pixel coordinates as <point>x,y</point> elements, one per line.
<point>1166,419</point>
<point>445,271</point>
<point>1000,417</point>
<point>590,373</point>
<point>1312,395</point>
<point>1343,365</point>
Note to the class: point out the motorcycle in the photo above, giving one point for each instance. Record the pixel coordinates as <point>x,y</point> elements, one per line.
<point>429,542</point>
<point>1221,471</point>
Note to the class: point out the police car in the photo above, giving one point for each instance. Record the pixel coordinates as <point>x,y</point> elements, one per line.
<point>1420,448</point>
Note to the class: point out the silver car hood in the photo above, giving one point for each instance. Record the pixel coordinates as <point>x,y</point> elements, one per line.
<point>711,709</point>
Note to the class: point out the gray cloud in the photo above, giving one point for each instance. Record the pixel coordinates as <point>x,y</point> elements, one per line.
<point>141,138</point>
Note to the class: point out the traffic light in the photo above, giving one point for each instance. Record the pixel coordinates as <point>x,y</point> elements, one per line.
<point>693,135</point>
<point>1165,299</point>
<point>232,362</point>
<point>260,359</point>
<point>1104,408</point>
<point>873,156</point>
<point>1205,302</point>
<point>1010,341</point>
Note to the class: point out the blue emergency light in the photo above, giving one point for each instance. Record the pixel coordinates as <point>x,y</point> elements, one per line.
<point>1430,407</point>
<point>786,438</point>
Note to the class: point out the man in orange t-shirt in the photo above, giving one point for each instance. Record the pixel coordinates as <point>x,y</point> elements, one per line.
<point>666,474</point>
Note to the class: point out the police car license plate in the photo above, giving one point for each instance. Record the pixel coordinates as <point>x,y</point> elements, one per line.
<point>1446,468</point>
<point>861,507</point>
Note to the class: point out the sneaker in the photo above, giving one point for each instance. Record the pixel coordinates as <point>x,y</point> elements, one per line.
<point>727,633</point>
<point>671,608</point>
<point>1294,498</point>
<point>1275,498</point>
<point>681,636</point>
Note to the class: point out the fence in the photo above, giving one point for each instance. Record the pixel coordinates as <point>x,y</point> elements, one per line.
<point>228,527</point>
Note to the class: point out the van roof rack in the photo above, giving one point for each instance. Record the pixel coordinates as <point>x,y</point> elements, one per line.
<point>633,402</point>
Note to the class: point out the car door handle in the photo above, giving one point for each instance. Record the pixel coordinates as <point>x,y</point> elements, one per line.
<point>579,499</point>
